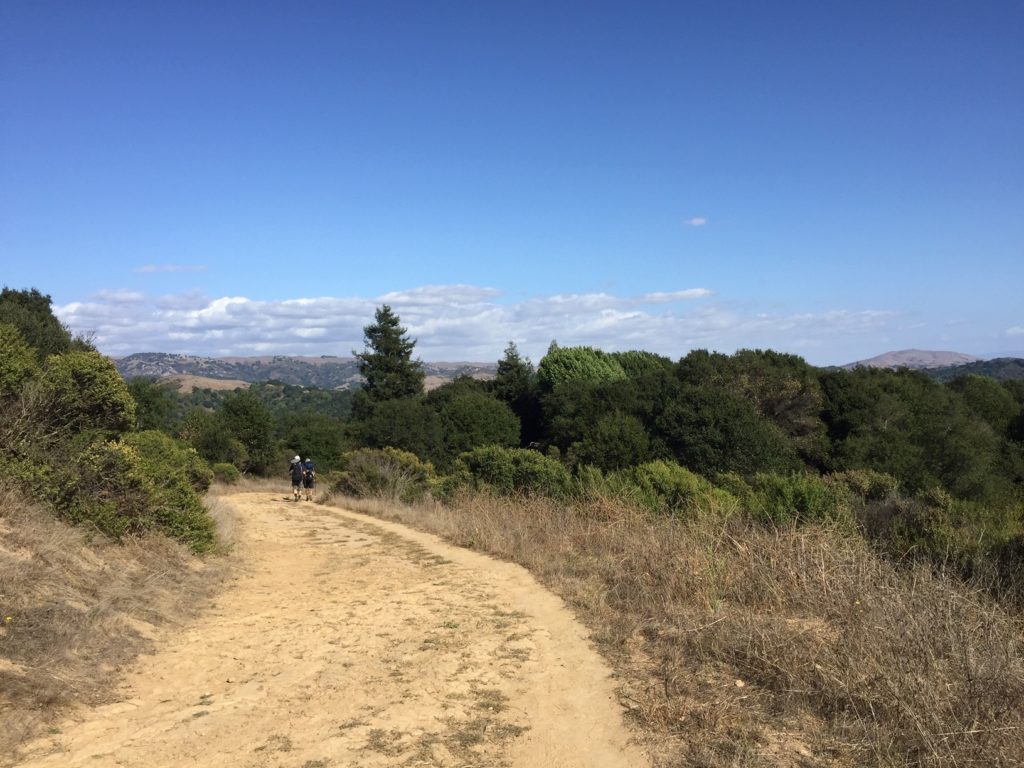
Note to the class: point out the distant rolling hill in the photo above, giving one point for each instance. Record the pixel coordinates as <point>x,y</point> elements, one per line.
<point>946,366</point>
<point>325,372</point>
<point>1001,369</point>
<point>915,358</point>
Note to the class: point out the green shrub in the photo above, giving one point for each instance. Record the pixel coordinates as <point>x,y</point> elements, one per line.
<point>135,485</point>
<point>966,534</point>
<point>668,488</point>
<point>386,473</point>
<point>617,440</point>
<point>106,488</point>
<point>226,473</point>
<point>176,475</point>
<point>30,312</point>
<point>164,454</point>
<point>17,361</point>
<point>87,393</point>
<point>868,484</point>
<point>798,498</point>
<point>511,471</point>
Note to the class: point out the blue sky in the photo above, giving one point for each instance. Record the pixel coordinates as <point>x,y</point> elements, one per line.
<point>830,179</point>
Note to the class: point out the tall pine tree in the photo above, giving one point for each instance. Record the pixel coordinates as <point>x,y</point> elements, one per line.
<point>515,375</point>
<point>387,363</point>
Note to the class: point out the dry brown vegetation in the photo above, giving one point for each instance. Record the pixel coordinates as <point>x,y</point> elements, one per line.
<point>187,383</point>
<point>75,608</point>
<point>741,645</point>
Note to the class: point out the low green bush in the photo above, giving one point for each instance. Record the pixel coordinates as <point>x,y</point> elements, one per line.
<point>966,534</point>
<point>163,454</point>
<point>87,393</point>
<point>177,475</point>
<point>665,487</point>
<point>386,473</point>
<point>17,361</point>
<point>106,488</point>
<point>225,473</point>
<point>135,485</point>
<point>868,484</point>
<point>511,471</point>
<point>798,498</point>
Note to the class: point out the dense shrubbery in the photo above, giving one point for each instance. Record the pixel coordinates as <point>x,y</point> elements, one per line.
<point>166,455</point>
<point>17,361</point>
<point>224,472</point>
<point>800,497</point>
<point>511,471</point>
<point>664,487</point>
<point>86,392</point>
<point>29,311</point>
<point>385,473</point>
<point>66,436</point>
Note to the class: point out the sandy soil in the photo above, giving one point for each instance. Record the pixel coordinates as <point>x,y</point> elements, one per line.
<point>346,641</point>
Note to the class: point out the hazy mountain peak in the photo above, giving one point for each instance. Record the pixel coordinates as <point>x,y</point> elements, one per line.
<point>915,358</point>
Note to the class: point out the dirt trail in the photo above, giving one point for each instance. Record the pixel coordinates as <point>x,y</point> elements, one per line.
<point>351,642</point>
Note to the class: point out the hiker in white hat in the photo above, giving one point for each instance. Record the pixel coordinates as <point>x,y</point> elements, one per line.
<point>295,471</point>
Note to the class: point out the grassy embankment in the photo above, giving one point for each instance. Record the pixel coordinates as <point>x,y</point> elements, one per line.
<point>78,606</point>
<point>743,644</point>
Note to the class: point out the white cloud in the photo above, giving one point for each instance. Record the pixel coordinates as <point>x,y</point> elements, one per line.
<point>661,297</point>
<point>149,268</point>
<point>1017,330</point>
<point>696,221</point>
<point>440,294</point>
<point>458,322</point>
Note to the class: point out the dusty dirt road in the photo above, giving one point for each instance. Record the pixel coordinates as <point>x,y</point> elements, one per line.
<point>346,641</point>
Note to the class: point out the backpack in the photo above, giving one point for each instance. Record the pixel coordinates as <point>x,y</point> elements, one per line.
<point>295,470</point>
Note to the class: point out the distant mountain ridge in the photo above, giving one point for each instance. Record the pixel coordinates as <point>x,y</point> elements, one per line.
<point>325,372</point>
<point>946,366</point>
<point>918,359</point>
<point>1000,369</point>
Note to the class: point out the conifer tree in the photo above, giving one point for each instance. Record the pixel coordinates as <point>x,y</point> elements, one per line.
<point>514,377</point>
<point>387,363</point>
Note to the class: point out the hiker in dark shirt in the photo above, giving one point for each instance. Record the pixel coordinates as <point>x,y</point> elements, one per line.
<point>296,471</point>
<point>309,477</point>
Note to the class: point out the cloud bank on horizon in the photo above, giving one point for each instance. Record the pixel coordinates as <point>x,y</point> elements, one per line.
<point>464,322</point>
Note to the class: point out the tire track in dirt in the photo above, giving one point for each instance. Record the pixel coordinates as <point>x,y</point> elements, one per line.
<point>347,641</point>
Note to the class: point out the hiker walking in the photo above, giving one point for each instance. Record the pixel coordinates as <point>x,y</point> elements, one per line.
<point>308,477</point>
<point>295,471</point>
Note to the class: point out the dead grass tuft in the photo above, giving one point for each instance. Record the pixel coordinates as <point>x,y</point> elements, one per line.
<point>75,608</point>
<point>739,645</point>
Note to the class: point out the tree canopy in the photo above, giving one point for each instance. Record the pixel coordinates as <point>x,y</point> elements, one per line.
<point>31,313</point>
<point>563,364</point>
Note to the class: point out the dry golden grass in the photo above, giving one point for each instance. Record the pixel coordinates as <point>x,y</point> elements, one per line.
<point>741,646</point>
<point>187,383</point>
<point>76,608</point>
